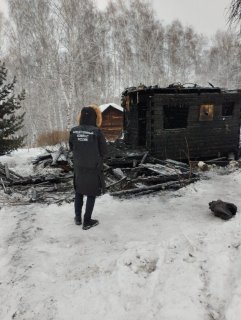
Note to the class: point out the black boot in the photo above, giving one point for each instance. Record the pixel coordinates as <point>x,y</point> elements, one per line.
<point>77,221</point>
<point>89,224</point>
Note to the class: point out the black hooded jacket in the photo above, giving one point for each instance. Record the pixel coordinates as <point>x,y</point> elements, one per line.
<point>89,146</point>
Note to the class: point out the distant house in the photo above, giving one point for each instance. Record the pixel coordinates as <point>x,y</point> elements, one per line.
<point>112,120</point>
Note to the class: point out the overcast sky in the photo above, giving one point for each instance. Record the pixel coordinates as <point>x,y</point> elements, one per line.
<point>3,6</point>
<point>206,16</point>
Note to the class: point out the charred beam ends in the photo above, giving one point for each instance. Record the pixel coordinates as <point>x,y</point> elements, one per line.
<point>172,89</point>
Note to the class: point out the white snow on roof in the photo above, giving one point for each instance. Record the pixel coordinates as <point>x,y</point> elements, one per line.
<point>103,107</point>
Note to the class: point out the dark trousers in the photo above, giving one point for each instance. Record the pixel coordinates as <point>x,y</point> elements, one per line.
<point>78,204</point>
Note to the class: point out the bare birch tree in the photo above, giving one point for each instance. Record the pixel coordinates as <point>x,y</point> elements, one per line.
<point>68,54</point>
<point>235,11</point>
<point>224,67</point>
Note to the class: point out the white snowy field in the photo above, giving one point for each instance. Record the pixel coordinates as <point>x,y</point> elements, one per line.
<point>162,257</point>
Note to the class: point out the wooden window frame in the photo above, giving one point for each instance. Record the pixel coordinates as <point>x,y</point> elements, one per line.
<point>206,112</point>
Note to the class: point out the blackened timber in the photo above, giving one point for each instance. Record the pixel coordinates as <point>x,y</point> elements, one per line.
<point>40,180</point>
<point>4,187</point>
<point>183,123</point>
<point>116,182</point>
<point>174,185</point>
<point>7,171</point>
<point>124,161</point>
<point>41,158</point>
<point>9,174</point>
<point>162,178</point>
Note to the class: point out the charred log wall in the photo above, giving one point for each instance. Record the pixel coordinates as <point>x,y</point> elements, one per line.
<point>131,123</point>
<point>157,121</point>
<point>201,137</point>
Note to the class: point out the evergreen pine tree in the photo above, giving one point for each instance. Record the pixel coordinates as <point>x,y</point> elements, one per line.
<point>10,122</point>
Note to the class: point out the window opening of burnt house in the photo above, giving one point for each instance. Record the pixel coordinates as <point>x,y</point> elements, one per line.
<point>175,116</point>
<point>206,112</point>
<point>227,109</point>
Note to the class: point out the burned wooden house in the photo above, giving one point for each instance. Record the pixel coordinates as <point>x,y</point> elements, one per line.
<point>112,120</point>
<point>182,122</point>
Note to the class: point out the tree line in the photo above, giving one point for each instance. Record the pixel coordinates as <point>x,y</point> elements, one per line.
<point>67,54</point>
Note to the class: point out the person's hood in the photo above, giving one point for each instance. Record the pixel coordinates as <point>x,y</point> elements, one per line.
<point>90,115</point>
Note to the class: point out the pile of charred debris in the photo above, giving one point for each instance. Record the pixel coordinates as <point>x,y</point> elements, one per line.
<point>136,172</point>
<point>127,173</point>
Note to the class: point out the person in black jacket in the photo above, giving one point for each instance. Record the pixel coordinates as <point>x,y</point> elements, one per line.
<point>89,146</point>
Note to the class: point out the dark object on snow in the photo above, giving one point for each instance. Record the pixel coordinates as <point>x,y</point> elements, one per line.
<point>78,222</point>
<point>223,210</point>
<point>90,224</point>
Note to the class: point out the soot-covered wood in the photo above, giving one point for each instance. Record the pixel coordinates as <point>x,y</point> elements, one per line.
<point>128,172</point>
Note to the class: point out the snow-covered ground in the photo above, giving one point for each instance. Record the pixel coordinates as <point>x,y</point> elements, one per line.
<point>162,257</point>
